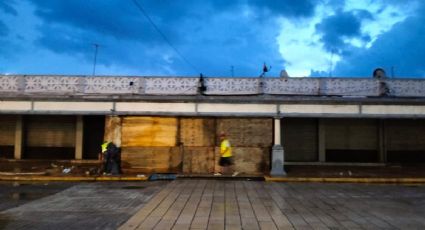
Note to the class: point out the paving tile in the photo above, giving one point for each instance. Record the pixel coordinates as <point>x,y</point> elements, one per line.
<point>222,204</point>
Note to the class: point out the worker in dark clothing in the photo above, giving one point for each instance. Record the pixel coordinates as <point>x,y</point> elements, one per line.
<point>113,159</point>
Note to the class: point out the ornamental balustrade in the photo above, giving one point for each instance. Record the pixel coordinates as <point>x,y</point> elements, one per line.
<point>118,85</point>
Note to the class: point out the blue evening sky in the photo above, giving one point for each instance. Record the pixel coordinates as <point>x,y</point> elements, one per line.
<point>339,38</point>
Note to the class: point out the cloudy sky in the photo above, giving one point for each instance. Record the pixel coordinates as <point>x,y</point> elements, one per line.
<point>215,37</point>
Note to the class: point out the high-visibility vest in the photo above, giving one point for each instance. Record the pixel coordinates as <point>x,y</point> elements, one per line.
<point>225,148</point>
<point>104,146</point>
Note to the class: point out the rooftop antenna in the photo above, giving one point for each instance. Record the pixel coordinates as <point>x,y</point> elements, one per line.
<point>96,47</point>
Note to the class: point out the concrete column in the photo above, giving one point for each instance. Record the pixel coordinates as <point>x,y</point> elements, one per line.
<point>278,156</point>
<point>322,140</point>
<point>79,138</point>
<point>19,131</point>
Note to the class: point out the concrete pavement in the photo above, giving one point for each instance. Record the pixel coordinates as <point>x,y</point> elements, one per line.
<point>220,204</point>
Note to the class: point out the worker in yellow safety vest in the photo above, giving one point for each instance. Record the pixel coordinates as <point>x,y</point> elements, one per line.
<point>226,157</point>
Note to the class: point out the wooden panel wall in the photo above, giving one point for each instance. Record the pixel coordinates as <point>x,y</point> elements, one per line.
<point>149,131</point>
<point>152,144</point>
<point>7,130</point>
<point>197,131</point>
<point>113,125</point>
<point>251,139</point>
<point>300,139</point>
<point>149,144</point>
<point>50,131</point>
<point>151,159</point>
<point>247,132</point>
<point>199,159</point>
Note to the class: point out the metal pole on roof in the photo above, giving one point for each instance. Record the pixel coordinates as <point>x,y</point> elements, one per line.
<point>96,46</point>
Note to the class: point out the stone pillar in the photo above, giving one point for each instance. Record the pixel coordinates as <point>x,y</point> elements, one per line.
<point>278,156</point>
<point>19,131</point>
<point>79,138</point>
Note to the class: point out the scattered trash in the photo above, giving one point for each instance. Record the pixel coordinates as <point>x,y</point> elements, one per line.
<point>87,173</point>
<point>140,175</point>
<point>66,170</point>
<point>349,173</point>
<point>341,173</point>
<point>53,165</point>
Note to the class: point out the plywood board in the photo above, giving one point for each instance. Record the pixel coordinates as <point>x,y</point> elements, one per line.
<point>149,131</point>
<point>113,126</point>
<point>151,159</point>
<point>50,131</point>
<point>198,159</point>
<point>7,130</point>
<point>248,160</point>
<point>197,131</point>
<point>247,132</point>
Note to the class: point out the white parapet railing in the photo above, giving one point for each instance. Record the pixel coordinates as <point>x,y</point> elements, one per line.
<point>136,85</point>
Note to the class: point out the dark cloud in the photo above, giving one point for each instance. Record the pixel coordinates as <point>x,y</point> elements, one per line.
<point>334,29</point>
<point>286,8</point>
<point>213,35</point>
<point>401,48</point>
<point>8,8</point>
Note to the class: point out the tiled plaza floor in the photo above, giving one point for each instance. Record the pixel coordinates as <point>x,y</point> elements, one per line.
<point>226,204</point>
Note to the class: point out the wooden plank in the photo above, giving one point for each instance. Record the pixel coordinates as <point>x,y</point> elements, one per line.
<point>151,159</point>
<point>198,159</point>
<point>113,125</point>
<point>247,132</point>
<point>197,132</point>
<point>249,160</point>
<point>149,131</point>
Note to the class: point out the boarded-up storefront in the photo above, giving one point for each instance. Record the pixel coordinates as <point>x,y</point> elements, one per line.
<point>49,137</point>
<point>190,145</point>
<point>252,139</point>
<point>405,140</point>
<point>149,144</point>
<point>197,136</point>
<point>351,140</point>
<point>7,135</point>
